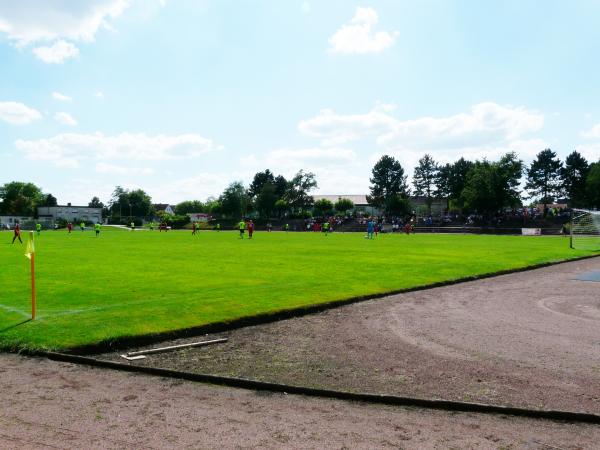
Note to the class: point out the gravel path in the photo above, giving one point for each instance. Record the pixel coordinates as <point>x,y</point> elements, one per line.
<point>47,405</point>
<point>530,339</point>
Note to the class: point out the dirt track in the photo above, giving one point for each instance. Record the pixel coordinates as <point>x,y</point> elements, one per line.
<point>46,404</point>
<point>529,339</point>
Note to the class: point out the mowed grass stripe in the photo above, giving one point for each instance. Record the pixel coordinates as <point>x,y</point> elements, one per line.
<point>128,284</point>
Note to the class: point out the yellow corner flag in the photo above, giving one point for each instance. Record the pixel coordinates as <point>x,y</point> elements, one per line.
<point>30,249</point>
<point>30,253</point>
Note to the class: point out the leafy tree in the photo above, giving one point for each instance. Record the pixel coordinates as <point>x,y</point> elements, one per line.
<point>265,200</point>
<point>424,179</point>
<point>189,206</point>
<point>592,185</point>
<point>343,205</point>
<point>48,200</point>
<point>456,180</point>
<point>125,203</point>
<point>95,203</point>
<point>398,205</point>
<point>543,177</point>
<point>260,179</point>
<point>213,206</point>
<point>298,190</point>
<point>573,177</point>
<point>281,206</point>
<point>322,207</point>
<point>388,180</point>
<point>491,187</point>
<point>17,198</point>
<point>234,200</point>
<point>281,186</point>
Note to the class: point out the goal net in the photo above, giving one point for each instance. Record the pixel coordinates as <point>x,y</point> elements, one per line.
<point>585,229</point>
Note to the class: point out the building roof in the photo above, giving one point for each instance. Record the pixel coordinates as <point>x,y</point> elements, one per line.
<point>358,200</point>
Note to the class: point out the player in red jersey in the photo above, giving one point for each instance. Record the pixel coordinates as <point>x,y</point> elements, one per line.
<point>17,233</point>
<point>70,227</point>
<point>250,229</point>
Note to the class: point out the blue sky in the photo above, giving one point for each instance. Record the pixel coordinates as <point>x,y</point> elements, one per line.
<point>182,97</point>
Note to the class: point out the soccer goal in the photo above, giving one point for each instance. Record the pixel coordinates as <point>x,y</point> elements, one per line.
<point>585,229</point>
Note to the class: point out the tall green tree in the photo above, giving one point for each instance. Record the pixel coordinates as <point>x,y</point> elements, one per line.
<point>492,186</point>
<point>18,198</point>
<point>322,207</point>
<point>188,207</point>
<point>95,203</point>
<point>424,179</point>
<point>343,205</point>
<point>281,185</point>
<point>543,177</point>
<point>387,180</point>
<point>573,177</point>
<point>592,185</point>
<point>298,190</point>
<point>127,204</point>
<point>234,200</point>
<point>265,200</point>
<point>48,200</point>
<point>260,179</point>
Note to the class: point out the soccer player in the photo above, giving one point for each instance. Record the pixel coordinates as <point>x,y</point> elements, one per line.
<point>326,228</point>
<point>242,226</point>
<point>97,228</point>
<point>218,227</point>
<point>250,229</point>
<point>38,228</point>
<point>70,227</point>
<point>17,233</point>
<point>286,227</point>
<point>193,228</point>
<point>82,226</point>
<point>370,229</point>
<point>132,225</point>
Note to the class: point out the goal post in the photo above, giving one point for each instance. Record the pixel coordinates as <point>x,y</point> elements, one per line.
<point>585,229</point>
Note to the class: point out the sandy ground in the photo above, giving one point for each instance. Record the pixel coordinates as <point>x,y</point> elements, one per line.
<point>47,404</point>
<point>530,339</point>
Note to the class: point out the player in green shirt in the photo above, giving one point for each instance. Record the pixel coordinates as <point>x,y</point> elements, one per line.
<point>132,225</point>
<point>326,228</point>
<point>38,228</point>
<point>218,227</point>
<point>286,227</point>
<point>97,228</point>
<point>242,226</point>
<point>82,226</point>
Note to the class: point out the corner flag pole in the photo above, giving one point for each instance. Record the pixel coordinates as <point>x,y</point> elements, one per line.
<point>571,231</point>
<point>31,255</point>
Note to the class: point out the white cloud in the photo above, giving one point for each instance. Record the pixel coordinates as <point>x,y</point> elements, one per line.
<point>592,133</point>
<point>71,149</point>
<point>484,123</point>
<point>358,36</point>
<point>123,170</point>
<point>29,21</point>
<point>99,94</point>
<point>17,113</point>
<point>65,119</point>
<point>59,22</point>
<point>57,53</point>
<point>61,97</point>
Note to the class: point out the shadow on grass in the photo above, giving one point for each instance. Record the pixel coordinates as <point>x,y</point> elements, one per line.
<point>14,326</point>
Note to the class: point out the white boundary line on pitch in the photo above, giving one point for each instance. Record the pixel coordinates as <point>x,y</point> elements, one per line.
<point>14,310</point>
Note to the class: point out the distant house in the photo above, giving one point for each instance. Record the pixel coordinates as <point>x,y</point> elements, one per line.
<point>198,217</point>
<point>164,207</point>
<point>10,221</point>
<point>70,213</point>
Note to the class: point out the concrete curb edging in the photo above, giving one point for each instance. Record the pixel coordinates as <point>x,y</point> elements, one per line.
<point>264,318</point>
<point>446,405</point>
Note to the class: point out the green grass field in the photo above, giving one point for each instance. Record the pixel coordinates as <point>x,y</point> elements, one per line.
<point>128,284</point>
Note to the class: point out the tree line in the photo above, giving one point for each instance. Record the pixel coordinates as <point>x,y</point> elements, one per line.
<point>482,186</point>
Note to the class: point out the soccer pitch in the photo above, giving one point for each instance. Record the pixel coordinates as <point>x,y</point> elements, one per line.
<point>136,283</point>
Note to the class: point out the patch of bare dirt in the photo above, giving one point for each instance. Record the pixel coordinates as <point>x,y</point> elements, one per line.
<point>530,339</point>
<point>46,405</point>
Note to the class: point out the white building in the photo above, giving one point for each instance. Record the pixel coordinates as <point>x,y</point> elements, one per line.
<point>70,213</point>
